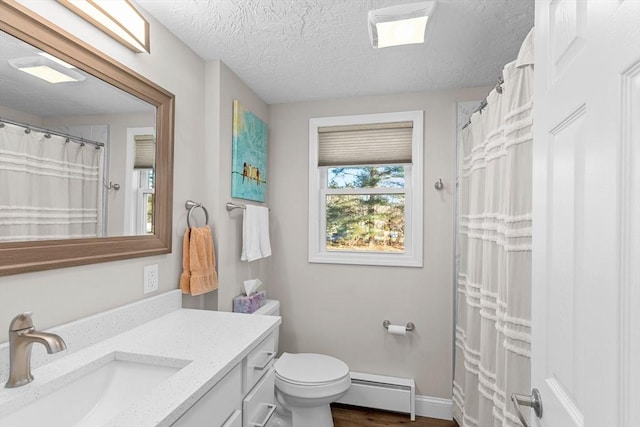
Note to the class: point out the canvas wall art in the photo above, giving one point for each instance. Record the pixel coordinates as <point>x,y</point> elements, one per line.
<point>249,168</point>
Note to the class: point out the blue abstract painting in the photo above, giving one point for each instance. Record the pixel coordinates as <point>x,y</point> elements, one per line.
<point>249,168</point>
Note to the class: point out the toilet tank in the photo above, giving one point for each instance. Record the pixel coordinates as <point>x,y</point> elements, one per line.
<point>271,308</point>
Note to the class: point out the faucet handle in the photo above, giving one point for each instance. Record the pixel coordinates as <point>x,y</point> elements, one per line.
<point>21,321</point>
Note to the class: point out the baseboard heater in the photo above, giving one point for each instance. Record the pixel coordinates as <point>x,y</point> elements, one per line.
<point>381,392</point>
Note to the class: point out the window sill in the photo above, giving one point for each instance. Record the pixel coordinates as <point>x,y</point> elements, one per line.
<point>360,258</point>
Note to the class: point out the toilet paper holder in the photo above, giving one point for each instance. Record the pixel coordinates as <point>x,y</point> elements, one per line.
<point>410,326</point>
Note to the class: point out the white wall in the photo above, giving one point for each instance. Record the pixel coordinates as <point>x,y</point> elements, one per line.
<point>63,295</point>
<point>339,309</point>
<point>222,87</point>
<point>233,271</point>
<point>20,116</point>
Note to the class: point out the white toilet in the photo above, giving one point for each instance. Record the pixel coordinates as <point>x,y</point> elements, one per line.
<point>306,383</point>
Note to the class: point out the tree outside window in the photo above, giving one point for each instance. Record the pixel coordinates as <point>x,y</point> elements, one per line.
<point>365,221</point>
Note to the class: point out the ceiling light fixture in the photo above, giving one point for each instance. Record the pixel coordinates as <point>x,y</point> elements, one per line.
<point>56,59</point>
<point>46,69</point>
<point>117,18</point>
<point>399,25</point>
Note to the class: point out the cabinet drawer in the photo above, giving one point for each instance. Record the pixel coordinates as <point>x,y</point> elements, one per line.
<point>235,420</point>
<point>258,362</point>
<point>258,406</point>
<point>217,405</point>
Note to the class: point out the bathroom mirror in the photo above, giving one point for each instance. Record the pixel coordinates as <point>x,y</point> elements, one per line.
<point>95,173</point>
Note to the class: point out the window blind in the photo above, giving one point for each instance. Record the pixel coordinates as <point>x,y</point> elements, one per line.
<point>368,144</point>
<point>145,152</point>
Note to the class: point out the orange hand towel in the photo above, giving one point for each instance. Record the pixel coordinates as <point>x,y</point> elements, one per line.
<point>185,277</point>
<point>199,262</point>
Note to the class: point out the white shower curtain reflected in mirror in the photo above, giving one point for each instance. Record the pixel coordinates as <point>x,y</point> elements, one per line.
<point>49,188</point>
<point>493,327</point>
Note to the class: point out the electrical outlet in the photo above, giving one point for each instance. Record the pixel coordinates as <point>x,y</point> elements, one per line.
<point>151,278</point>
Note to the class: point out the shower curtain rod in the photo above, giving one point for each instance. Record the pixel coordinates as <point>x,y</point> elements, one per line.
<point>28,128</point>
<point>483,104</point>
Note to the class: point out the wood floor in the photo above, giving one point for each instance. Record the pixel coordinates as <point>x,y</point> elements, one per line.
<point>353,416</point>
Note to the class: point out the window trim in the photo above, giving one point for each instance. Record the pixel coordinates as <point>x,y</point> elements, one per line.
<point>412,256</point>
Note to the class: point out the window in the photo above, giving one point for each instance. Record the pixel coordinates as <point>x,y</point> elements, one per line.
<point>144,200</point>
<point>365,189</point>
<point>144,162</point>
<point>140,182</point>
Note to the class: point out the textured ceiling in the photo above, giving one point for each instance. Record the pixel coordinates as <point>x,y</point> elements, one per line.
<point>297,50</point>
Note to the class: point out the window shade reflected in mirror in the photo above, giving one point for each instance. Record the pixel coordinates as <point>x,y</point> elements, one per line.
<point>145,151</point>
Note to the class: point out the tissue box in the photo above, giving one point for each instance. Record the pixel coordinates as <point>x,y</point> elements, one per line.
<point>249,304</point>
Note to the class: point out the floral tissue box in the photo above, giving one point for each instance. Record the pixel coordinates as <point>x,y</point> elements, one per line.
<point>249,304</point>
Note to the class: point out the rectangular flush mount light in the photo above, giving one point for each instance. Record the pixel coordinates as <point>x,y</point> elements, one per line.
<point>118,18</point>
<point>48,68</point>
<point>401,24</point>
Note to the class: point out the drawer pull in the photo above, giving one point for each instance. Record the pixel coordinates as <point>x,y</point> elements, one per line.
<point>270,356</point>
<point>272,409</point>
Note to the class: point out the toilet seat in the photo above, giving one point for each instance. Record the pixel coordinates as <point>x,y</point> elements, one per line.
<point>310,368</point>
<point>311,376</point>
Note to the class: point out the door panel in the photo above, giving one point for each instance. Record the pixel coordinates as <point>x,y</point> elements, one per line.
<point>567,38</point>
<point>586,60</point>
<point>630,295</point>
<point>563,371</point>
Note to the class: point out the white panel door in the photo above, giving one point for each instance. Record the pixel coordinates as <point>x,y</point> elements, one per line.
<point>585,213</point>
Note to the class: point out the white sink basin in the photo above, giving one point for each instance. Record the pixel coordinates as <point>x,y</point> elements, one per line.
<point>93,399</point>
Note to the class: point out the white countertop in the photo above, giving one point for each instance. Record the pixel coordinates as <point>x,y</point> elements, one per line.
<point>207,343</point>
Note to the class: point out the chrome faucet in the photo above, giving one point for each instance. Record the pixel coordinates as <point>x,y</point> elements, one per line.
<point>22,335</point>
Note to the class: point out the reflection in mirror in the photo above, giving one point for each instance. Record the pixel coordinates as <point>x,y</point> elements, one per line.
<point>96,102</point>
<point>77,155</point>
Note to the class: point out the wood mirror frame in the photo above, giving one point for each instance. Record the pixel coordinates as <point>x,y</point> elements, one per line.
<point>20,257</point>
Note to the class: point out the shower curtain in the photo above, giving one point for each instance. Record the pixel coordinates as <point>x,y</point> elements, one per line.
<point>50,188</point>
<point>493,327</point>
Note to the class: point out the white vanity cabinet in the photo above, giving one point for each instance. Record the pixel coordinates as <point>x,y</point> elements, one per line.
<point>224,365</point>
<point>218,405</point>
<point>243,398</point>
<point>259,405</point>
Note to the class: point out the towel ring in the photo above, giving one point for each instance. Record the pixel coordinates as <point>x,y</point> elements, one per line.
<point>191,205</point>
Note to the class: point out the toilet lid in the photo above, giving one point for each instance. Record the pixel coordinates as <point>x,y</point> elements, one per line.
<point>310,368</point>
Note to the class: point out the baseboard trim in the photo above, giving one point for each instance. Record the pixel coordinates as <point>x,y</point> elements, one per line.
<point>434,407</point>
<point>381,392</point>
<point>394,394</point>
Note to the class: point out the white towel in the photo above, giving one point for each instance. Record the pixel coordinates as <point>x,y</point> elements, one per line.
<point>255,233</point>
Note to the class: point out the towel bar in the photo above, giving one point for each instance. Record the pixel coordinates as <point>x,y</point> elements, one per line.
<point>232,206</point>
<point>190,205</point>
